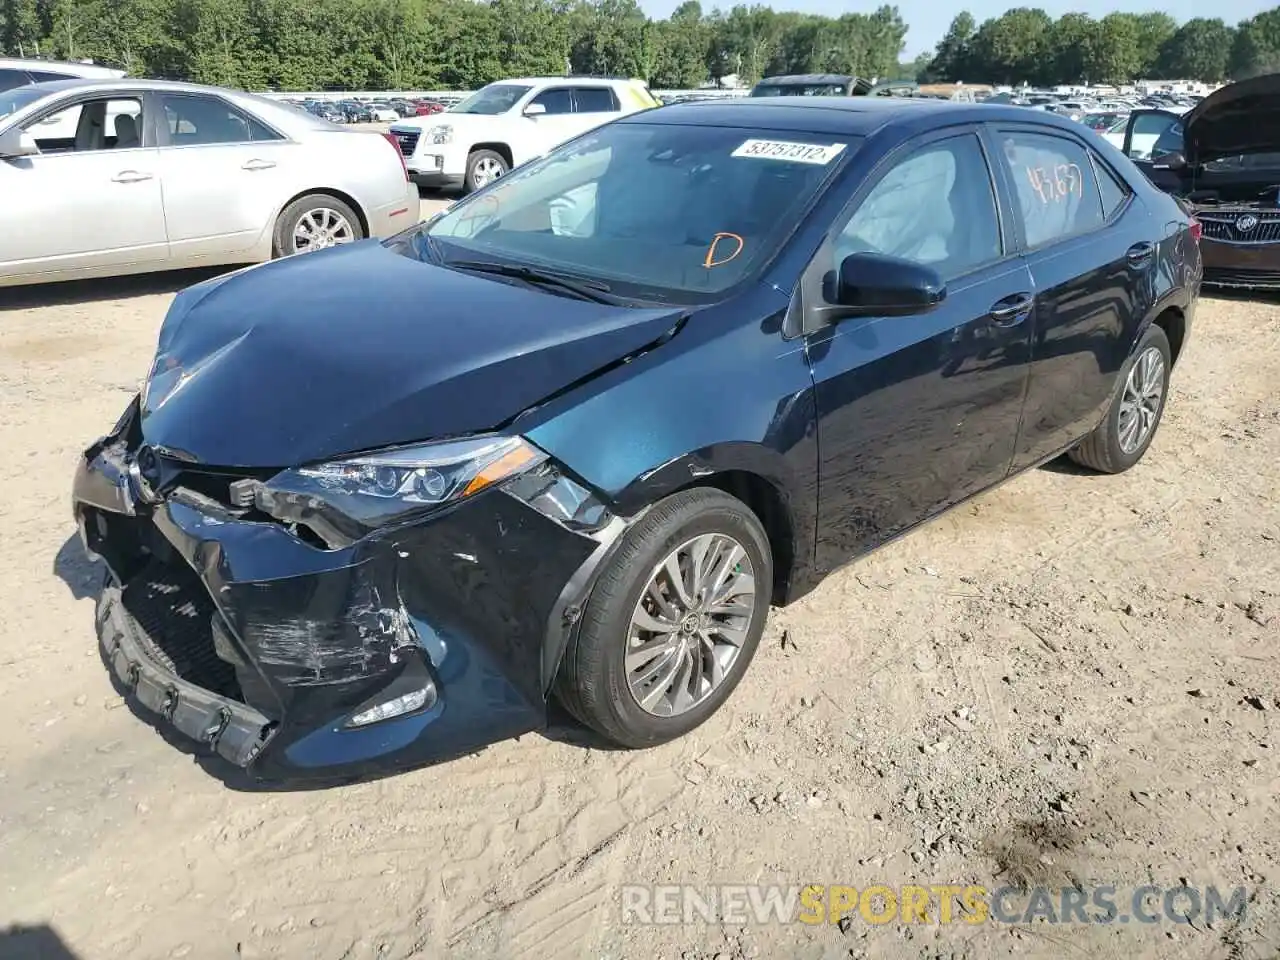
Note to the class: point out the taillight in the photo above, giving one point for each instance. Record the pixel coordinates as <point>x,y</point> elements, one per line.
<point>1196,229</point>
<point>395,145</point>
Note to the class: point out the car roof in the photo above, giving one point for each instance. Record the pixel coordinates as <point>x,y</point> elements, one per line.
<point>575,81</point>
<point>852,116</point>
<point>803,78</point>
<point>70,67</point>
<point>107,84</point>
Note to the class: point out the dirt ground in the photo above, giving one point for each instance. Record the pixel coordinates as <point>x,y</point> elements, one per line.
<point>1071,680</point>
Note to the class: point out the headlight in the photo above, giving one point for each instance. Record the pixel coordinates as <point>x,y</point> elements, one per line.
<point>440,134</point>
<point>343,500</point>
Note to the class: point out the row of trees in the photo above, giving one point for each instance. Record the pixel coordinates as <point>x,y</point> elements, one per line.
<point>424,44</point>
<point>453,44</point>
<point>1026,44</point>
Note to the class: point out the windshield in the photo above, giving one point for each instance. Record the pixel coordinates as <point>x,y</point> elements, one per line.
<point>11,101</point>
<point>799,90</point>
<point>655,211</point>
<point>493,99</point>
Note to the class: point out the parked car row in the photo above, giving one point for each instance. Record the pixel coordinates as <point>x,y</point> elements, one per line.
<point>369,111</point>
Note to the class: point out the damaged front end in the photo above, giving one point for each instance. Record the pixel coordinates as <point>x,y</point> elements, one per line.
<point>304,627</point>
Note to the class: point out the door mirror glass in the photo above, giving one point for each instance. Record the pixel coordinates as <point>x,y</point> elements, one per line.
<point>535,109</point>
<point>871,283</point>
<point>17,143</point>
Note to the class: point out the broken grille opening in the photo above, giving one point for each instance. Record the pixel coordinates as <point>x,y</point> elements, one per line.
<point>174,616</point>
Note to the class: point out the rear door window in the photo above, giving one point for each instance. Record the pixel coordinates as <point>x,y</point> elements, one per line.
<point>10,79</point>
<point>201,121</point>
<point>1053,180</point>
<point>595,100</point>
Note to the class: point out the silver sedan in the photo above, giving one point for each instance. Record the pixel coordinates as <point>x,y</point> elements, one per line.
<point>106,177</point>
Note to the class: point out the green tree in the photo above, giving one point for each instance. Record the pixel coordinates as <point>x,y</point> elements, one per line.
<point>1114,56</point>
<point>1154,30</point>
<point>1199,50</point>
<point>1257,46</point>
<point>1012,48</point>
<point>1070,42</point>
<point>19,27</point>
<point>951,60</point>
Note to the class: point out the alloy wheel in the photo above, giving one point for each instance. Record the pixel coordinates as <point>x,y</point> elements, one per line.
<point>690,623</point>
<point>321,228</point>
<point>1141,400</point>
<point>486,170</point>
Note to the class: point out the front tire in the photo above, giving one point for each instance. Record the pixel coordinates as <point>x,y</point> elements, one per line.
<point>1125,433</point>
<point>483,167</point>
<point>673,621</point>
<point>315,222</point>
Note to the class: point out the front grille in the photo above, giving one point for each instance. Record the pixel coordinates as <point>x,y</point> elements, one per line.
<point>408,140</point>
<point>1224,227</point>
<point>174,615</point>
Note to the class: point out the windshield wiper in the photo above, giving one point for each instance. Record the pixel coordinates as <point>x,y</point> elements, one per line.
<point>592,290</point>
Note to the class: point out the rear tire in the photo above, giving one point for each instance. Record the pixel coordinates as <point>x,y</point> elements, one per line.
<point>325,219</point>
<point>483,167</point>
<point>1142,389</point>
<point>640,687</point>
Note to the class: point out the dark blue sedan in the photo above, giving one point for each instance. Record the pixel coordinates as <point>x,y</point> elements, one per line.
<point>573,436</point>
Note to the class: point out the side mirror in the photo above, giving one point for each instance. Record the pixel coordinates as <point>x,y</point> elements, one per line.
<point>15,142</point>
<point>1170,161</point>
<point>868,283</point>
<point>535,109</point>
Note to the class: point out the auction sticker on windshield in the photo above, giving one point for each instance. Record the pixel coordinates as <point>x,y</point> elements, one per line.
<point>793,152</point>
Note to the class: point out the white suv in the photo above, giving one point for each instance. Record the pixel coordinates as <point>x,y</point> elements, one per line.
<point>509,122</point>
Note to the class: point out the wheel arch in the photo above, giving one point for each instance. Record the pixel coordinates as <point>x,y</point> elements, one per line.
<point>497,146</point>
<point>1173,322</point>
<point>754,474</point>
<point>334,192</point>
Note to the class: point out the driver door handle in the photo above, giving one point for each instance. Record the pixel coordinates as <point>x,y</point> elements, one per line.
<point>131,176</point>
<point>1012,309</point>
<point>252,165</point>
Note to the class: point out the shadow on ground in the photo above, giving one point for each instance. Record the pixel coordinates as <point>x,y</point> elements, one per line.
<point>107,288</point>
<point>82,575</point>
<point>39,942</point>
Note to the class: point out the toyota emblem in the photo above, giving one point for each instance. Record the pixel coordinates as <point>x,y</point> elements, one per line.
<point>1246,223</point>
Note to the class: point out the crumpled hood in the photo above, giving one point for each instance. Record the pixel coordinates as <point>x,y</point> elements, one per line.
<point>359,347</point>
<point>1238,119</point>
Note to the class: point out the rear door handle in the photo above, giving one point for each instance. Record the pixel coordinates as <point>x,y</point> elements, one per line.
<point>1012,309</point>
<point>131,176</point>
<point>252,165</point>
<point>1140,253</point>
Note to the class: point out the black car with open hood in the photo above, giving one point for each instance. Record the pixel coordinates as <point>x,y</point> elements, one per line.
<point>1223,159</point>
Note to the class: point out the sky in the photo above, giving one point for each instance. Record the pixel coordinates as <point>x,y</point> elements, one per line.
<point>928,19</point>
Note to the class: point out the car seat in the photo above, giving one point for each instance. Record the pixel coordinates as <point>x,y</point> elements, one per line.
<point>127,132</point>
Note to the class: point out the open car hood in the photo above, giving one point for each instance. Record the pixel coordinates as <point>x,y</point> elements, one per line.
<point>1239,119</point>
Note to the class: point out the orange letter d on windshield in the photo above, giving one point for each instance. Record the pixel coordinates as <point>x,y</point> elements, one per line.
<point>712,250</point>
